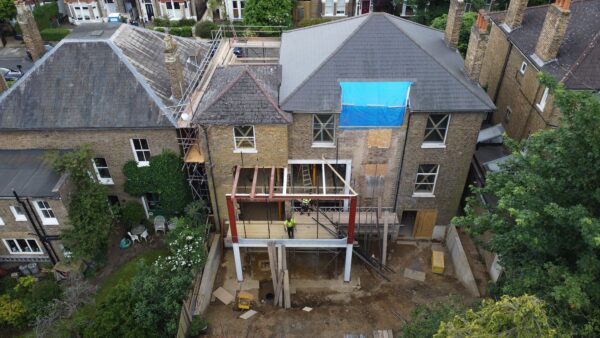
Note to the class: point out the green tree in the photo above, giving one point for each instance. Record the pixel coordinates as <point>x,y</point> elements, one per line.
<point>546,223</point>
<point>427,10</point>
<point>268,13</point>
<point>425,320</point>
<point>520,317</point>
<point>8,11</point>
<point>164,177</point>
<point>465,30</point>
<point>89,212</point>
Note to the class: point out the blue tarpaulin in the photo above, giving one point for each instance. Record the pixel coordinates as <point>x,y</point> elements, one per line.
<point>373,104</point>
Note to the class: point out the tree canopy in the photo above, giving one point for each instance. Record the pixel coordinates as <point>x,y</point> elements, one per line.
<point>465,30</point>
<point>89,212</point>
<point>520,317</point>
<point>268,13</point>
<point>8,10</point>
<point>546,223</point>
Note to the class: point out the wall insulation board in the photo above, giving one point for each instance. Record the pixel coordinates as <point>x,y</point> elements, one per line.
<point>367,105</point>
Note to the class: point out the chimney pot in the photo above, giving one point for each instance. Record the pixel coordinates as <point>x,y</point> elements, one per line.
<point>477,45</point>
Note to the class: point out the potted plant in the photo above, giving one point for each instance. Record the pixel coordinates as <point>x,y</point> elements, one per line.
<point>198,326</point>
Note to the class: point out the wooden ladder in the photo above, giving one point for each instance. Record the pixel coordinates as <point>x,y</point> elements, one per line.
<point>306,180</point>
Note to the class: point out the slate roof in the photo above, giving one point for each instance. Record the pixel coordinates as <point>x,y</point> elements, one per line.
<point>578,62</point>
<point>242,94</point>
<point>27,173</point>
<point>100,76</point>
<point>374,47</point>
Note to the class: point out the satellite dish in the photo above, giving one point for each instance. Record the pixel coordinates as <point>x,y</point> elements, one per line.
<point>185,116</point>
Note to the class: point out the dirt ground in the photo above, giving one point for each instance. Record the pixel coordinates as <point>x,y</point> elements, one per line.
<point>376,305</point>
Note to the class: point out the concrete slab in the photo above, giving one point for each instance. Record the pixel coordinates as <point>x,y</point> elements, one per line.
<point>336,285</point>
<point>223,296</point>
<point>414,274</point>
<point>248,314</point>
<point>307,309</point>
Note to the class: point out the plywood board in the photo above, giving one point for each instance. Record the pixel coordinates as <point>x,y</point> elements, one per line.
<point>223,296</point>
<point>248,314</point>
<point>194,155</point>
<point>414,274</point>
<point>424,223</point>
<point>379,138</point>
<point>376,169</point>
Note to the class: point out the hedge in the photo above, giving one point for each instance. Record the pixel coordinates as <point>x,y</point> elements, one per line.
<point>54,34</point>
<point>204,29</point>
<point>312,22</point>
<point>164,22</point>
<point>181,31</point>
<point>159,29</point>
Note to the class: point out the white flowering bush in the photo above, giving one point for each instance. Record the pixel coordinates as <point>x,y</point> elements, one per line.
<point>187,248</point>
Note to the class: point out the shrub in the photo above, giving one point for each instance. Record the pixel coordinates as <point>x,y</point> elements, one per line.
<point>42,293</point>
<point>425,319</point>
<point>132,214</point>
<point>204,29</point>
<point>198,326</point>
<point>312,22</point>
<point>12,312</point>
<point>54,34</point>
<point>45,15</point>
<point>186,22</point>
<point>161,22</point>
<point>159,29</point>
<point>181,31</point>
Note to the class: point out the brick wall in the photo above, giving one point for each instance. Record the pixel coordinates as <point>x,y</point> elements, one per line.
<point>113,145</point>
<point>454,163</point>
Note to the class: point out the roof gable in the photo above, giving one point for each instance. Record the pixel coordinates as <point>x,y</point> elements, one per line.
<point>385,48</point>
<point>242,95</point>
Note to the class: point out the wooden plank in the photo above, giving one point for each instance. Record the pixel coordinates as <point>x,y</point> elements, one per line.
<point>286,290</point>
<point>223,296</point>
<point>273,265</point>
<point>376,169</point>
<point>254,180</point>
<point>424,223</point>
<point>379,138</point>
<point>385,239</point>
<point>248,314</point>
<point>338,175</point>
<point>272,183</point>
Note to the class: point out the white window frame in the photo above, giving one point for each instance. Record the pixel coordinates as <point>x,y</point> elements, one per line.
<point>523,68</point>
<point>237,139</point>
<point>140,163</point>
<point>322,129</point>
<point>340,4</point>
<point>542,103</point>
<point>436,175</point>
<point>329,5</point>
<point>2,221</point>
<point>18,217</point>
<point>40,210</point>
<point>21,252</point>
<point>436,144</point>
<point>102,180</point>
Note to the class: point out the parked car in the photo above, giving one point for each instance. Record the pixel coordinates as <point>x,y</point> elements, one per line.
<point>11,74</point>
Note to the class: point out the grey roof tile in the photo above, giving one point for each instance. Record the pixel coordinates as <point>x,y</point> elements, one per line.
<point>27,172</point>
<point>380,47</point>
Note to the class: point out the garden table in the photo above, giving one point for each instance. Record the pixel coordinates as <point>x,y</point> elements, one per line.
<point>138,229</point>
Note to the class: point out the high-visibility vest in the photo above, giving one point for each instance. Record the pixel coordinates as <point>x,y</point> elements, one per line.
<point>305,201</point>
<point>290,223</point>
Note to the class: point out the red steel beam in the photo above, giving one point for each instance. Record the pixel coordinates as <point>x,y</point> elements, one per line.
<point>235,181</point>
<point>254,179</point>
<point>277,198</point>
<point>272,183</point>
<point>352,220</point>
<point>232,223</point>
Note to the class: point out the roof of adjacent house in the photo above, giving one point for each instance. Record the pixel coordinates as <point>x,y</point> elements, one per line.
<point>242,94</point>
<point>578,61</point>
<point>374,47</point>
<point>100,76</point>
<point>28,173</point>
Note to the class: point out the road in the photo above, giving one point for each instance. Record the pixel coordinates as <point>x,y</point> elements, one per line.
<point>10,57</point>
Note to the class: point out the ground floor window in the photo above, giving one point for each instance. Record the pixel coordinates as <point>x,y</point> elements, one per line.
<point>426,178</point>
<point>22,245</point>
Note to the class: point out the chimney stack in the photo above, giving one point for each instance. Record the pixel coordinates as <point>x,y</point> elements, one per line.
<point>553,31</point>
<point>31,34</point>
<point>514,15</point>
<point>454,22</point>
<point>174,67</point>
<point>477,45</point>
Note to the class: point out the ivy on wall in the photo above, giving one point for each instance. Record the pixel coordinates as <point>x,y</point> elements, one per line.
<point>163,177</point>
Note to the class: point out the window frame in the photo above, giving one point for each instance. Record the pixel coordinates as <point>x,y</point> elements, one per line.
<point>541,104</point>
<point>18,246</point>
<point>340,4</point>
<point>102,180</point>
<point>523,67</point>
<point>145,162</point>
<point>436,144</point>
<point>327,6</point>
<point>323,130</point>
<point>244,138</point>
<point>2,222</point>
<point>22,217</point>
<point>433,185</point>
<point>47,208</point>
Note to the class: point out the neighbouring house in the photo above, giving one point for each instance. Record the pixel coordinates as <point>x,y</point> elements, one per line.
<point>112,86</point>
<point>510,48</point>
<point>371,118</point>
<point>33,210</point>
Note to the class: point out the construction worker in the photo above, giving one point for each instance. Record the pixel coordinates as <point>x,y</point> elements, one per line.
<point>290,224</point>
<point>305,206</point>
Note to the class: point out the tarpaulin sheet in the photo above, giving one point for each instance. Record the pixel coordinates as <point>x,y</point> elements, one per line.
<point>373,104</point>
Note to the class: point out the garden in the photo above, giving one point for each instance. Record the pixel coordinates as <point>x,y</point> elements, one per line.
<point>130,291</point>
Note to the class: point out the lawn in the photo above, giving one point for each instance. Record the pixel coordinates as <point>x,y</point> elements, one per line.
<point>126,273</point>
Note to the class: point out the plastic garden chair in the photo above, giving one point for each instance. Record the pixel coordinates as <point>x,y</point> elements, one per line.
<point>159,224</point>
<point>145,235</point>
<point>134,237</point>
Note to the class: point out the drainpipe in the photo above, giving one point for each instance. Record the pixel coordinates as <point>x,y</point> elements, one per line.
<point>40,232</point>
<point>212,178</point>
<point>402,159</point>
